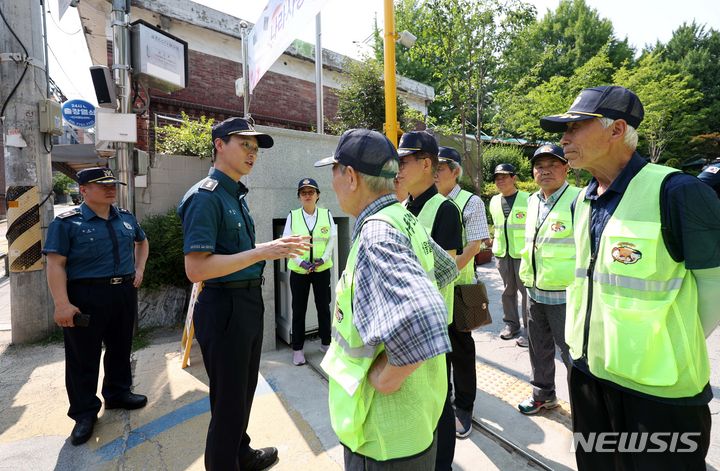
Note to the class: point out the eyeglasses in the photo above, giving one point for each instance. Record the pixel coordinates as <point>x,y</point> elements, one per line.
<point>249,147</point>
<point>406,160</point>
<point>307,193</point>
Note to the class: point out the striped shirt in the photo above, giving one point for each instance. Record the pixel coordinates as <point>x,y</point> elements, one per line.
<point>394,302</point>
<point>474,219</point>
<point>539,295</point>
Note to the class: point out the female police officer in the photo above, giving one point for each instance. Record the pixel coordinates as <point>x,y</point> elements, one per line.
<point>96,257</point>
<point>220,251</point>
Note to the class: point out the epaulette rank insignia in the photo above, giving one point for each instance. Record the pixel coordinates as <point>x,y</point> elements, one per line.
<point>209,184</point>
<point>68,214</point>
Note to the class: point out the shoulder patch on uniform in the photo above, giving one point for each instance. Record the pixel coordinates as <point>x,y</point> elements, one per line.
<point>67,214</point>
<point>124,211</point>
<point>209,184</point>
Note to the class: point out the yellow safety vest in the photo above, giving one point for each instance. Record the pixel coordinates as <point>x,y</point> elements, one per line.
<point>427,219</point>
<point>509,234</point>
<point>319,237</point>
<point>467,274</point>
<point>632,311</point>
<point>381,426</point>
<point>547,261</point>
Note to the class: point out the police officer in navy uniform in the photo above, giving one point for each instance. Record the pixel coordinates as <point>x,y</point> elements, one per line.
<point>220,251</point>
<point>96,257</point>
<point>711,175</point>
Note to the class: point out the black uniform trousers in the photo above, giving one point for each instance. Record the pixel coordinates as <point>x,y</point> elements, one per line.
<point>112,310</point>
<point>462,359</point>
<point>229,328</point>
<point>599,407</point>
<point>446,431</point>
<point>300,288</point>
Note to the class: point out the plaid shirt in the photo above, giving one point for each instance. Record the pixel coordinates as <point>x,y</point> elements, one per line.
<point>474,219</point>
<point>394,301</point>
<point>538,295</point>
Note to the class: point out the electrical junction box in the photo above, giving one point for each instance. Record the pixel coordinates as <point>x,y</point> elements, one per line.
<point>50,113</point>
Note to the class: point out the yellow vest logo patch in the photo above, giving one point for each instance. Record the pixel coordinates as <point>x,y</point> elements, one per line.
<point>338,314</point>
<point>626,253</point>
<point>557,227</point>
<point>520,215</point>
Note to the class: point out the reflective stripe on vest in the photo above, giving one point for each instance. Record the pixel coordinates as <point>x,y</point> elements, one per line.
<point>634,317</point>
<point>509,235</point>
<point>548,258</point>
<point>427,216</point>
<point>320,236</point>
<point>381,426</point>
<point>467,274</point>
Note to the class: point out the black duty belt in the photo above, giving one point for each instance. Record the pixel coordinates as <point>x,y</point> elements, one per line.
<point>235,284</point>
<point>113,280</point>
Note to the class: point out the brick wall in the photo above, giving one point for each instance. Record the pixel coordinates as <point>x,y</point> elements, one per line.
<point>278,100</point>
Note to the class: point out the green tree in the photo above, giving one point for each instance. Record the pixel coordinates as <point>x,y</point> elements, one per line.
<point>191,137</point>
<point>459,44</point>
<point>361,99</point>
<point>668,99</point>
<point>562,41</point>
<point>520,110</point>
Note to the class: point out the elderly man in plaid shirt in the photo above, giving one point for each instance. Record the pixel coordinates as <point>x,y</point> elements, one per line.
<point>390,321</point>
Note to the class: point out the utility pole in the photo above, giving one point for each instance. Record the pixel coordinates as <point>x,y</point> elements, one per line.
<point>391,122</point>
<point>244,32</point>
<point>28,173</point>
<point>318,76</point>
<point>121,73</point>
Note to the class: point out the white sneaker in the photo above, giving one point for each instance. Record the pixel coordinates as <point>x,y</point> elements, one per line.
<point>324,348</point>
<point>298,357</point>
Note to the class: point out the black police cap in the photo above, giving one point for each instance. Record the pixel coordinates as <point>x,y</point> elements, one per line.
<point>101,175</point>
<point>504,169</point>
<point>417,141</point>
<point>551,150</point>
<point>241,127</point>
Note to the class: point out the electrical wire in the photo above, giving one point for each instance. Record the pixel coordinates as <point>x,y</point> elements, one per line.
<point>58,26</point>
<point>22,76</point>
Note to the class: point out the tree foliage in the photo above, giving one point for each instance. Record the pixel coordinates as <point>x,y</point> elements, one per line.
<point>361,99</point>
<point>191,137</point>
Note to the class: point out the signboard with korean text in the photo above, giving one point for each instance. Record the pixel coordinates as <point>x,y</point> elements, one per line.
<point>158,57</point>
<point>278,25</point>
<point>79,113</point>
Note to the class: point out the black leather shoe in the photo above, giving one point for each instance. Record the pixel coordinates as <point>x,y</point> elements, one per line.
<point>259,459</point>
<point>127,401</point>
<point>82,431</point>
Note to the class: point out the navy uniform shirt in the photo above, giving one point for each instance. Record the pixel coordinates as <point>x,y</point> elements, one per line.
<point>690,217</point>
<point>216,219</point>
<point>95,247</point>
<point>711,176</point>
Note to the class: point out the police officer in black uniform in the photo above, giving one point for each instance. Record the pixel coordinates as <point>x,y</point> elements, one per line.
<point>96,257</point>
<point>220,251</point>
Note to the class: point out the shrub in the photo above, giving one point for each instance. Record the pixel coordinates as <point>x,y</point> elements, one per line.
<point>61,183</point>
<point>166,263</point>
<point>496,154</point>
<point>191,137</point>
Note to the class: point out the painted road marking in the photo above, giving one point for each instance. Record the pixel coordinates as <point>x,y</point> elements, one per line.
<point>117,447</point>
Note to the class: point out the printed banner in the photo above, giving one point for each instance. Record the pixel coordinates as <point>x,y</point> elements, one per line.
<point>278,25</point>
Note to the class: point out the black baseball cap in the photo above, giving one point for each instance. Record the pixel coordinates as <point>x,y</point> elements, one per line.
<point>448,154</point>
<point>241,127</point>
<point>551,150</point>
<point>101,175</point>
<point>417,141</point>
<point>612,102</point>
<point>309,182</point>
<point>506,169</point>
<point>364,150</point>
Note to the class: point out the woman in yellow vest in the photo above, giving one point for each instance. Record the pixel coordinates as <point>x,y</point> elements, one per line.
<point>312,267</point>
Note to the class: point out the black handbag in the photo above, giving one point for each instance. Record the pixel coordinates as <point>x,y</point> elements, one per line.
<point>471,308</point>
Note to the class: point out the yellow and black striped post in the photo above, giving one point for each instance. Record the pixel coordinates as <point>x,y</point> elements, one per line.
<point>23,231</point>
